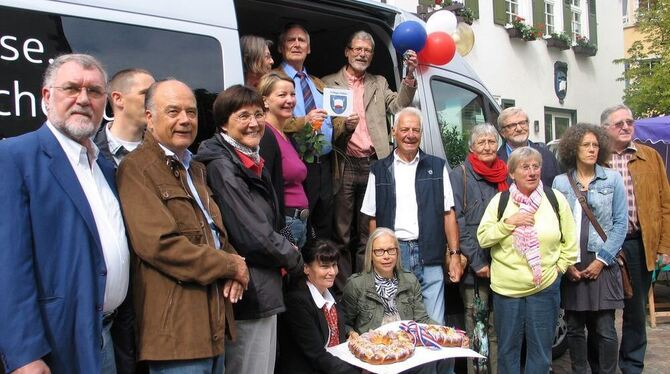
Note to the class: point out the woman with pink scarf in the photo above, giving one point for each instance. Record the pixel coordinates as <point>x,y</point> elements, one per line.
<point>533,240</point>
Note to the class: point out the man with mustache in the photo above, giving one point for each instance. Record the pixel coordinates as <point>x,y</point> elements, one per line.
<point>64,262</point>
<point>186,274</point>
<point>513,125</point>
<point>648,238</point>
<point>372,100</point>
<point>409,192</point>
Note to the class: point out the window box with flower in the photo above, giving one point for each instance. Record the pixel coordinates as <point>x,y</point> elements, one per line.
<point>519,29</point>
<point>583,46</point>
<point>462,13</point>
<point>558,40</point>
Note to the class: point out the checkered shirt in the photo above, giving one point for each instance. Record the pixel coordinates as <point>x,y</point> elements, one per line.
<point>619,162</point>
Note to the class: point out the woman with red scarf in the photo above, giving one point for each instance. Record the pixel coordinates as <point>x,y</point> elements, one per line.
<point>474,183</point>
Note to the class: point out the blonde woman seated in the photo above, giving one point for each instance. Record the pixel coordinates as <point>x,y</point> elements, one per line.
<point>383,292</point>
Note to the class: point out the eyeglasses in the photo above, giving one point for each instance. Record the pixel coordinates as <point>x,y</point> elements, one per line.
<point>359,50</point>
<point>527,168</point>
<point>245,117</point>
<point>94,92</point>
<point>379,252</point>
<point>513,125</point>
<point>619,125</point>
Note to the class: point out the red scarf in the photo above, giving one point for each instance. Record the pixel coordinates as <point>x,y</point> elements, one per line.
<point>496,173</point>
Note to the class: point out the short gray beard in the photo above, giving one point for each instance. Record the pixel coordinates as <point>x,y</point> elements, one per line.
<point>75,131</point>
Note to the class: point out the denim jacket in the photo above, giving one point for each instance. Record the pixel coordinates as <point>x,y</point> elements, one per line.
<point>607,200</point>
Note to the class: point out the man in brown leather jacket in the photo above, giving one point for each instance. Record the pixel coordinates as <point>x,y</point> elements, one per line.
<point>648,237</point>
<point>185,272</point>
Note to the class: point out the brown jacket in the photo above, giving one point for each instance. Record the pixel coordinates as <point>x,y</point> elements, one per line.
<point>176,272</point>
<point>379,100</point>
<point>652,196</point>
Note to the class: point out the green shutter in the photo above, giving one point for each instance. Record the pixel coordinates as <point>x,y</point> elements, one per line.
<point>474,7</point>
<point>499,14</point>
<point>567,18</point>
<point>538,12</point>
<point>593,23</point>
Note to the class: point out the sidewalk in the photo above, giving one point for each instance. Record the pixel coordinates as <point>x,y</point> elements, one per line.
<point>657,360</point>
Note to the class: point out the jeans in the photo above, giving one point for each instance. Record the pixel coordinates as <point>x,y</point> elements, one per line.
<point>212,365</point>
<point>298,229</point>
<point>431,279</point>
<point>535,317</point>
<point>634,327</point>
<point>108,365</point>
<point>600,351</point>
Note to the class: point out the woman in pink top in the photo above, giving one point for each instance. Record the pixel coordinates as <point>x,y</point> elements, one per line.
<point>287,170</point>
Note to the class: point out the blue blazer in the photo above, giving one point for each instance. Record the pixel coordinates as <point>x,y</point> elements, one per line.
<point>52,270</point>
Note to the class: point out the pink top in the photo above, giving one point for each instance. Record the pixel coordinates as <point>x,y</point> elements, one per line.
<point>360,144</point>
<point>294,172</point>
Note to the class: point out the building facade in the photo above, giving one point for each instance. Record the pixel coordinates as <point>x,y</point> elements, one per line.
<point>558,85</point>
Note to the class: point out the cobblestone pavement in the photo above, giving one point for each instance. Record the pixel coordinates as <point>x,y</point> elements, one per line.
<point>657,360</point>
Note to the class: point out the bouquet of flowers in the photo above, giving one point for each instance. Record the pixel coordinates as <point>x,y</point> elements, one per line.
<point>310,141</point>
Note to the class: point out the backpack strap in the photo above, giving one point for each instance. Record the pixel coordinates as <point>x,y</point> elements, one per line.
<point>504,198</point>
<point>549,192</point>
<point>502,203</point>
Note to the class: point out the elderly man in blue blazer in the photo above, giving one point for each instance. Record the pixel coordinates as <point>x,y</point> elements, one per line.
<point>64,255</point>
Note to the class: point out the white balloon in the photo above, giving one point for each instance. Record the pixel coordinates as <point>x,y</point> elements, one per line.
<point>442,20</point>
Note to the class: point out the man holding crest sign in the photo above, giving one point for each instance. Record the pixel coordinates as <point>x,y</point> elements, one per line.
<point>370,97</point>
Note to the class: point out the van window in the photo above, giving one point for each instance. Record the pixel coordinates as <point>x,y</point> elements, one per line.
<point>457,110</point>
<point>29,40</point>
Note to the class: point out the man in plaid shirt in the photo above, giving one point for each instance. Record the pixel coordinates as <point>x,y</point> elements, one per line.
<point>648,237</point>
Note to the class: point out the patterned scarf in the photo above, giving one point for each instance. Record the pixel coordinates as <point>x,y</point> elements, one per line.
<point>251,152</point>
<point>387,289</point>
<point>526,241</point>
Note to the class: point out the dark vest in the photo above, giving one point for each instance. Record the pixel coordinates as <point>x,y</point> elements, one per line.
<point>430,201</point>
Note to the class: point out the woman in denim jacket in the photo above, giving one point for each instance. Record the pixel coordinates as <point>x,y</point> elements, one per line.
<point>593,289</point>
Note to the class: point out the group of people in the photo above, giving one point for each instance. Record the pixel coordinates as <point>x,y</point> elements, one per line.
<point>125,247</point>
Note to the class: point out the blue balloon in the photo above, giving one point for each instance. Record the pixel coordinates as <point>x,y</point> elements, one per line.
<point>409,35</point>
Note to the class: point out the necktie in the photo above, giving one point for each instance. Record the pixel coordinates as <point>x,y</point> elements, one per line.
<point>307,96</point>
<point>121,152</point>
<point>331,318</point>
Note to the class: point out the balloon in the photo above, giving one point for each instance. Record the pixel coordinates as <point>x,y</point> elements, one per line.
<point>442,20</point>
<point>409,35</point>
<point>439,50</point>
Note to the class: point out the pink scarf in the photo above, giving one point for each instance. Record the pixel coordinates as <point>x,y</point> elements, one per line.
<point>526,241</point>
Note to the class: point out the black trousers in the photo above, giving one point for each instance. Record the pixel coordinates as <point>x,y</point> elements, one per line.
<point>319,190</point>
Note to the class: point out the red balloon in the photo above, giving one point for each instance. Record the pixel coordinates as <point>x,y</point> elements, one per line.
<point>440,48</point>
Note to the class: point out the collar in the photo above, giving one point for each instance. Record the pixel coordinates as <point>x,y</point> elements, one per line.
<point>319,299</point>
<point>291,72</point>
<point>630,148</point>
<point>352,79</point>
<point>112,140</point>
<point>75,152</point>
<point>185,160</point>
<point>397,158</point>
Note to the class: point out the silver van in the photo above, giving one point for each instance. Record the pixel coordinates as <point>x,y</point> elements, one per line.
<point>198,41</point>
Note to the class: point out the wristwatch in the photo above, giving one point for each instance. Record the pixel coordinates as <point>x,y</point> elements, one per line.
<point>455,251</point>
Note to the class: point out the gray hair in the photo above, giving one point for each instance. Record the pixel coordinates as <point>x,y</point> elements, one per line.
<point>605,116</point>
<point>253,53</point>
<point>88,62</point>
<point>481,130</point>
<point>361,35</point>
<point>522,154</point>
<point>407,111</point>
<point>378,233</point>
<point>287,28</point>
<point>508,112</point>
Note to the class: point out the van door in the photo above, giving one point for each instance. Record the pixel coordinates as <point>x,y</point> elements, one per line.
<point>121,35</point>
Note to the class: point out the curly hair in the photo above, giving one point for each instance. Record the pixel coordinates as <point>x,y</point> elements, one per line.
<point>568,148</point>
